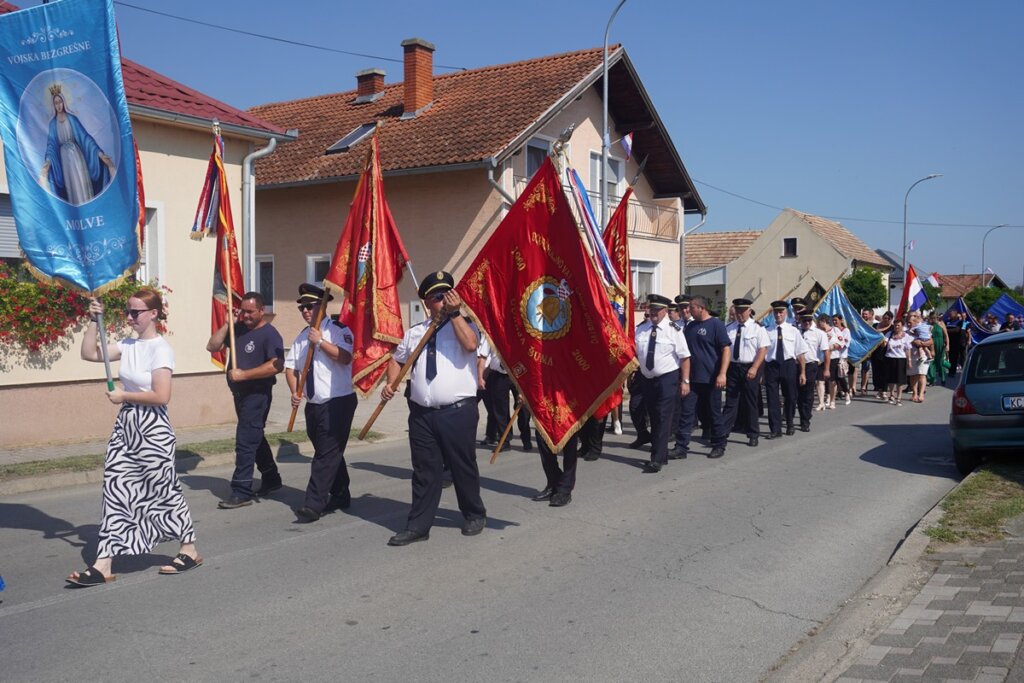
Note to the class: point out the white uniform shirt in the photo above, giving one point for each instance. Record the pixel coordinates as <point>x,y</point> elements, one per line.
<point>139,358</point>
<point>817,344</point>
<point>456,368</point>
<point>752,339</point>
<point>792,343</point>
<point>844,338</point>
<point>331,379</point>
<point>669,348</point>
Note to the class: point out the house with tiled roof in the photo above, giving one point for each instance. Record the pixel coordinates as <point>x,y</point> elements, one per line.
<point>456,150</point>
<point>785,259</point>
<point>172,124</point>
<point>955,286</point>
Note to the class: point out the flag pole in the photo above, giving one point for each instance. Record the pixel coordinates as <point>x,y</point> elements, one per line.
<point>231,302</point>
<point>105,352</point>
<point>431,329</point>
<point>508,428</point>
<point>307,367</point>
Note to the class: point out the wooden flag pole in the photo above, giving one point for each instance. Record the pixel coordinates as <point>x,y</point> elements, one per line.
<point>508,428</point>
<point>103,349</point>
<point>431,329</point>
<point>231,301</point>
<point>307,367</point>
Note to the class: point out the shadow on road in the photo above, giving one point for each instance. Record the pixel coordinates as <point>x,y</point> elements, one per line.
<point>912,448</point>
<point>485,482</point>
<point>221,489</point>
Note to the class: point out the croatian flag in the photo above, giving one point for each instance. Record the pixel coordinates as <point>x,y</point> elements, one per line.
<point>933,280</point>
<point>627,144</point>
<point>914,295</point>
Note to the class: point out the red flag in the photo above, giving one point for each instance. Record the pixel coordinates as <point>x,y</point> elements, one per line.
<point>213,216</point>
<point>142,196</point>
<point>534,290</point>
<point>365,270</point>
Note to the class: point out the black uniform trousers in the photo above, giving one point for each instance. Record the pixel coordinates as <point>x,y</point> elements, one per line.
<point>592,436</point>
<point>560,479</point>
<point>782,376</point>
<point>741,398</point>
<point>637,407</point>
<point>499,388</point>
<point>523,419</point>
<point>328,425</point>
<point>251,447</point>
<point>706,398</point>
<point>660,396</point>
<point>438,438</point>
<point>806,394</point>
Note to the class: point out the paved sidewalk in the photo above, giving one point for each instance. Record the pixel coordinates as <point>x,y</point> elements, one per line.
<point>966,624</point>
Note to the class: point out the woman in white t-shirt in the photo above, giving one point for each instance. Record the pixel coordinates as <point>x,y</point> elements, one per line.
<point>897,355</point>
<point>142,500</point>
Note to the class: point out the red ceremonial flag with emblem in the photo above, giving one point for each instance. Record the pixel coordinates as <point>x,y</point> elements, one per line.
<point>534,290</point>
<point>616,242</point>
<point>213,216</point>
<point>366,268</point>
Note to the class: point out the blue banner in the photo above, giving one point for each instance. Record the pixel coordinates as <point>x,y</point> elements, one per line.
<point>68,145</point>
<point>863,337</point>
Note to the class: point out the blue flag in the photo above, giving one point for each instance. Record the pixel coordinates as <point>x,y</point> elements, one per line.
<point>863,337</point>
<point>68,146</point>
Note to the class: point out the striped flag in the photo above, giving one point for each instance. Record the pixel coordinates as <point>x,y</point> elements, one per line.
<point>933,280</point>
<point>609,276</point>
<point>627,144</point>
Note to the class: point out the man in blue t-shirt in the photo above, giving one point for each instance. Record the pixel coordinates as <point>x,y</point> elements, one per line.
<point>260,352</point>
<point>709,364</point>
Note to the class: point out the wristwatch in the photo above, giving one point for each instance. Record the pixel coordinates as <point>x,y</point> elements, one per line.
<point>686,381</point>
<point>455,314</point>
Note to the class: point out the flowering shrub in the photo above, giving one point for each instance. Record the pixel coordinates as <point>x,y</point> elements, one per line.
<point>35,316</point>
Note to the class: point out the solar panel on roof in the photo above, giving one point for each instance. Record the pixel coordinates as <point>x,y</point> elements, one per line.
<point>352,139</point>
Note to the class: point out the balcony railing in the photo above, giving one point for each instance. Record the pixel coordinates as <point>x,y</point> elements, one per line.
<point>643,219</point>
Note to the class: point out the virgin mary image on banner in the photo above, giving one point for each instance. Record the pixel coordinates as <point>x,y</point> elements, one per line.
<point>75,168</point>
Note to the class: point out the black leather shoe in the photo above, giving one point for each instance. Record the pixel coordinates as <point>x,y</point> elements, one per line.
<point>339,502</point>
<point>408,536</point>
<point>306,515</point>
<point>805,428</point>
<point>488,443</point>
<point>268,486</point>
<point>446,483</point>
<point>544,495</point>
<point>790,431</point>
<point>774,435</point>
<point>472,527</point>
<point>590,456</point>
<point>234,502</point>
<point>527,445</point>
<point>560,500</point>
<point>652,467</point>
<point>639,443</point>
<point>716,452</point>
<point>752,441</point>
<point>677,453</point>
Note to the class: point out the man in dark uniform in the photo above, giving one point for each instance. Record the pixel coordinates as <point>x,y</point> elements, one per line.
<point>665,368</point>
<point>749,342</point>
<point>260,352</point>
<point>784,370</point>
<point>443,411</point>
<point>709,347</point>
<point>330,403</point>
<point>560,480</point>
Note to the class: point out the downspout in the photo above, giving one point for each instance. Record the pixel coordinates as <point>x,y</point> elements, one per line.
<point>248,215</point>
<point>497,186</point>
<point>682,248</point>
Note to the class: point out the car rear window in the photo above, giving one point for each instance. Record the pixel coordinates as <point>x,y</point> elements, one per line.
<point>997,363</point>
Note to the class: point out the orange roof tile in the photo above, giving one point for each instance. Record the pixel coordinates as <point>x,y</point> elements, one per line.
<point>706,250</point>
<point>844,241</point>
<point>959,285</point>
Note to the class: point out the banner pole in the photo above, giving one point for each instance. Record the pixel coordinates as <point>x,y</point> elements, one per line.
<point>231,301</point>
<point>508,428</point>
<point>307,367</point>
<point>104,351</point>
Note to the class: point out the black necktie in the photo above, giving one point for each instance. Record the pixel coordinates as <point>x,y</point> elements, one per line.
<point>736,345</point>
<point>780,354</point>
<point>309,381</point>
<point>650,347</point>
<point>432,357</point>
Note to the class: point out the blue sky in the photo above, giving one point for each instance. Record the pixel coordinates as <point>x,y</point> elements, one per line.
<point>830,108</point>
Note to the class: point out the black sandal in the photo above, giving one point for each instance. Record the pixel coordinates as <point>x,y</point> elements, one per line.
<point>181,564</point>
<point>90,577</point>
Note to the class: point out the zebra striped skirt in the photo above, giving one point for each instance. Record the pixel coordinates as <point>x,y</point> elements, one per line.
<point>142,500</point>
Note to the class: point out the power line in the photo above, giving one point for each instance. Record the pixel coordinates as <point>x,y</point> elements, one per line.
<point>274,38</point>
<point>851,218</point>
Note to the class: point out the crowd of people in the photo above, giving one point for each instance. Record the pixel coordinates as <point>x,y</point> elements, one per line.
<point>694,370</point>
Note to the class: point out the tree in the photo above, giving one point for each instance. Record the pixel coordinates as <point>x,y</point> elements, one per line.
<point>980,299</point>
<point>934,296</point>
<point>865,289</point>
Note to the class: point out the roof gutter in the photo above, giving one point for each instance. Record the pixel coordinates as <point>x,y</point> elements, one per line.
<point>249,215</point>
<point>200,123</point>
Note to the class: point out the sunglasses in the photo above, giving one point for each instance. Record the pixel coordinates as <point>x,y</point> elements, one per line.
<point>134,313</point>
<point>437,297</point>
<point>306,307</point>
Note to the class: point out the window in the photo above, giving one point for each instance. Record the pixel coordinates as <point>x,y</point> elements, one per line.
<point>265,281</point>
<point>8,234</point>
<point>788,247</point>
<point>317,266</point>
<point>615,174</point>
<point>537,150</point>
<point>997,363</point>
<point>149,259</point>
<point>645,279</point>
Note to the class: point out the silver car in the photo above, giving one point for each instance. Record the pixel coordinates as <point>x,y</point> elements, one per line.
<point>988,404</point>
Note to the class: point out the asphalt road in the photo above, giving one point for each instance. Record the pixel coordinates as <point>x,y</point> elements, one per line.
<point>709,571</point>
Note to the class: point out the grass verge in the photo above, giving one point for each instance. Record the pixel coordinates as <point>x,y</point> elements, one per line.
<point>202,449</point>
<point>976,510</point>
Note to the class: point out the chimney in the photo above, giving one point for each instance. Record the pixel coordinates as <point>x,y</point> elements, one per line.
<point>369,85</point>
<point>419,75</point>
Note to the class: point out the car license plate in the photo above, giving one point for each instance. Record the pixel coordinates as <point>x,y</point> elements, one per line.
<point>1013,402</point>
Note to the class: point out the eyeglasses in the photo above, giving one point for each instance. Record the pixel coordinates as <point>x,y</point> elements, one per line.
<point>133,313</point>
<point>306,307</point>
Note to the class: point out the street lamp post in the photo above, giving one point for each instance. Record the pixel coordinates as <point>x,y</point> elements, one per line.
<point>905,198</point>
<point>605,140</point>
<point>1001,225</point>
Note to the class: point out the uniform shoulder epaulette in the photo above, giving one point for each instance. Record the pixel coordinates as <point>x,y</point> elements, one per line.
<point>336,319</point>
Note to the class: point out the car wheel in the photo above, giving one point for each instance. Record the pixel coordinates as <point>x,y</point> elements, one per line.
<point>966,460</point>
